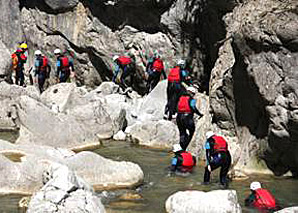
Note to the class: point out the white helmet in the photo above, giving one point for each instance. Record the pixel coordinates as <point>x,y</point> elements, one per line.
<point>191,89</point>
<point>255,185</point>
<point>181,62</point>
<point>37,52</point>
<point>57,51</point>
<point>209,134</point>
<point>115,57</point>
<point>177,147</point>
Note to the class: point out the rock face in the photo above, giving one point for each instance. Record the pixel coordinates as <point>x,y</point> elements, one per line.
<point>197,201</point>
<point>252,85</point>
<point>64,192</point>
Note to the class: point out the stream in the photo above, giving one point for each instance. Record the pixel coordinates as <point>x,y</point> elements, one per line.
<point>158,186</point>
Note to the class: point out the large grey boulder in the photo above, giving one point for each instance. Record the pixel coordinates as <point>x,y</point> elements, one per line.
<point>64,191</point>
<point>106,174</point>
<point>5,62</point>
<point>198,201</point>
<point>23,165</point>
<point>288,210</point>
<point>83,126</point>
<point>159,134</point>
<point>61,4</point>
<point>9,97</point>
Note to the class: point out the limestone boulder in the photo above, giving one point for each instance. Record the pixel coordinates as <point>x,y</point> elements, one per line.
<point>5,62</point>
<point>8,100</point>
<point>61,5</point>
<point>64,191</point>
<point>198,201</point>
<point>103,173</point>
<point>82,127</point>
<point>288,210</point>
<point>159,134</point>
<point>23,166</point>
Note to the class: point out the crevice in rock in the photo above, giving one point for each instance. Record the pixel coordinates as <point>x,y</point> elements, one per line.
<point>144,16</point>
<point>249,105</point>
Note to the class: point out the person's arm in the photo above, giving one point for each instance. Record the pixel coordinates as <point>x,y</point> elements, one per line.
<point>58,65</point>
<point>185,77</point>
<point>249,200</point>
<point>36,67</point>
<point>208,152</point>
<point>117,68</point>
<point>174,164</point>
<point>164,74</point>
<point>194,108</point>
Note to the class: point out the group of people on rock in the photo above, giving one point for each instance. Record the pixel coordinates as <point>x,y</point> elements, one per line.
<point>41,69</point>
<point>182,104</point>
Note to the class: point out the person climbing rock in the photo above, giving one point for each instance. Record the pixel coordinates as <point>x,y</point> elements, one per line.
<point>124,68</point>
<point>217,155</point>
<point>182,161</point>
<point>185,118</point>
<point>64,66</point>
<point>154,69</point>
<point>177,80</point>
<point>19,58</point>
<point>260,198</point>
<point>41,69</point>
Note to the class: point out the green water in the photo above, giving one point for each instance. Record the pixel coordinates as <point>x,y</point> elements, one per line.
<point>158,186</point>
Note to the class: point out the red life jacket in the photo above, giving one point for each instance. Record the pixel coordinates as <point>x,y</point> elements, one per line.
<point>220,144</point>
<point>264,199</point>
<point>157,65</point>
<point>183,104</point>
<point>44,63</point>
<point>174,75</point>
<point>64,63</point>
<point>23,58</point>
<point>187,159</point>
<point>124,60</point>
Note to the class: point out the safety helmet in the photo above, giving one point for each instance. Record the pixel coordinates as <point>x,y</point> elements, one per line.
<point>181,62</point>
<point>115,57</point>
<point>177,147</point>
<point>191,89</point>
<point>24,46</point>
<point>209,134</point>
<point>57,51</point>
<point>37,52</point>
<point>156,54</point>
<point>255,185</point>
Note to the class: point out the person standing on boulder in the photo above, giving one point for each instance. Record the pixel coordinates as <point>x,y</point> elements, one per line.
<point>41,69</point>
<point>64,66</point>
<point>185,118</point>
<point>260,198</point>
<point>154,69</point>
<point>124,68</point>
<point>177,80</point>
<point>19,58</point>
<point>182,161</point>
<point>217,155</point>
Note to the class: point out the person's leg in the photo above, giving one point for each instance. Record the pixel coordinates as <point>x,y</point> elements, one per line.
<point>149,82</point>
<point>21,77</point>
<point>226,163</point>
<point>182,131</point>
<point>190,126</point>
<point>41,80</point>
<point>155,80</point>
<point>207,173</point>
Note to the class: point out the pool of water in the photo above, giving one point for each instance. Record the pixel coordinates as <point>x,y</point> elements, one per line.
<point>158,186</point>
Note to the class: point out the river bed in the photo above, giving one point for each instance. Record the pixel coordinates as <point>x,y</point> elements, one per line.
<point>158,186</point>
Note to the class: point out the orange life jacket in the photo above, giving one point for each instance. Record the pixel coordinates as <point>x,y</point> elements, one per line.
<point>183,104</point>
<point>264,199</point>
<point>157,65</point>
<point>174,75</point>
<point>123,60</point>
<point>220,144</point>
<point>187,159</point>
